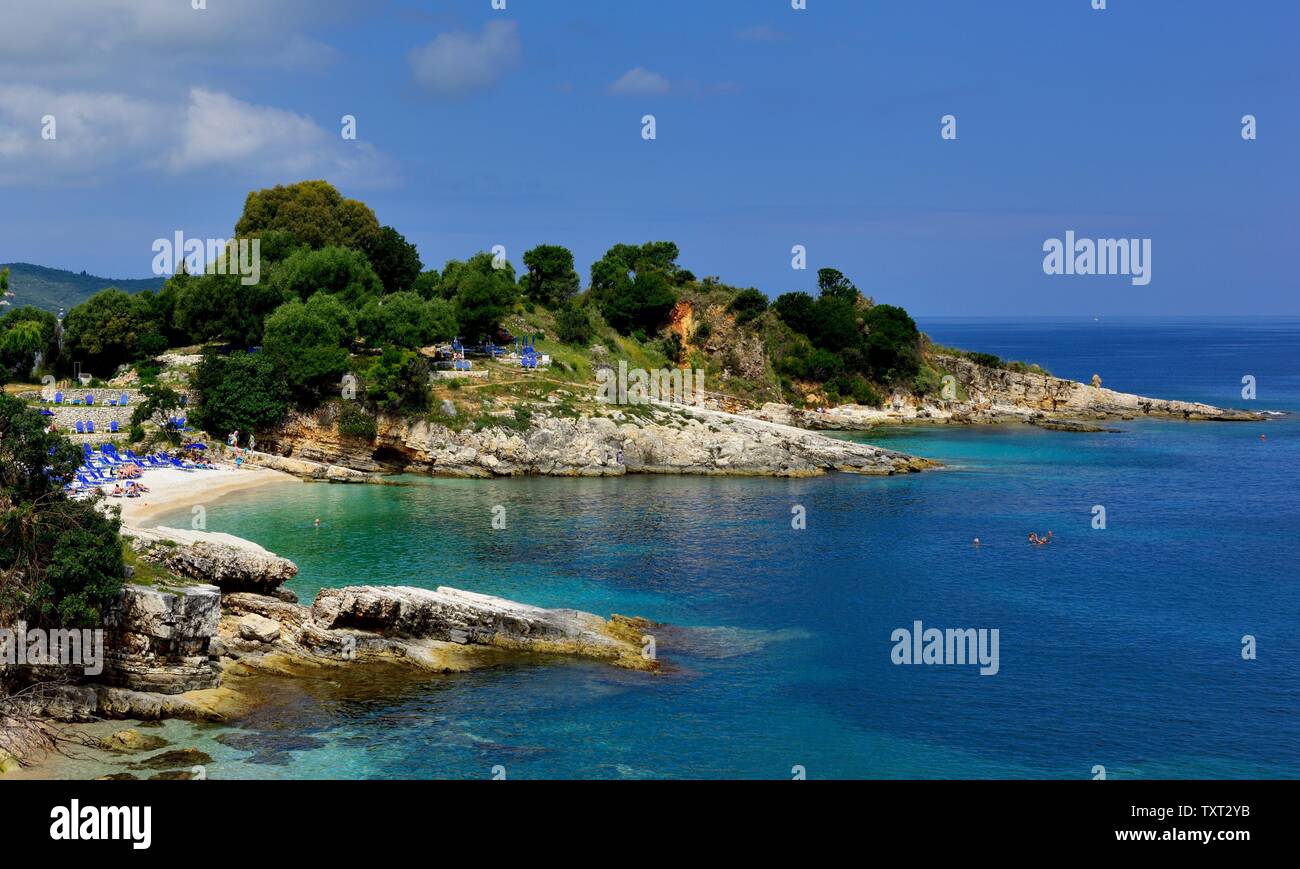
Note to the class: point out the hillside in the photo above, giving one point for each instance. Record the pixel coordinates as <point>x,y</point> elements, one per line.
<point>54,288</point>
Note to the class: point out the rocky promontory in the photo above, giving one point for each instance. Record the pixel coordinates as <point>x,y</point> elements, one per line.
<point>658,440</point>
<point>985,394</point>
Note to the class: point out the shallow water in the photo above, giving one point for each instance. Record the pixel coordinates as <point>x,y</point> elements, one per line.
<point>1119,647</point>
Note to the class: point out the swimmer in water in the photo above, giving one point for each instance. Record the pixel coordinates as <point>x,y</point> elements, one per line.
<point>976,541</point>
<point>316,524</point>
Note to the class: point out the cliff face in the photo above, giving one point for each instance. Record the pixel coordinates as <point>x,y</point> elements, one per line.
<point>658,441</point>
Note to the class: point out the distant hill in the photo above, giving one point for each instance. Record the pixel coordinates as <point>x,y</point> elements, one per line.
<point>54,288</point>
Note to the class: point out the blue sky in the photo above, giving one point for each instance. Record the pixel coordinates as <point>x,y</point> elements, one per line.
<point>775,127</point>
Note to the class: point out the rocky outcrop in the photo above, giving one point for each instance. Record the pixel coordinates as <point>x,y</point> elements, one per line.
<point>157,640</point>
<point>656,440</point>
<point>999,390</point>
<point>1000,395</point>
<point>231,563</point>
<point>443,630</point>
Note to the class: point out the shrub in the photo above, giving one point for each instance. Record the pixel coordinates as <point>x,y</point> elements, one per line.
<point>355,422</point>
<point>573,325</point>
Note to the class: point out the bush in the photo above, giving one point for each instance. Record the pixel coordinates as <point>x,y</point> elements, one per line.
<point>308,344</point>
<point>62,558</point>
<point>355,422</point>
<point>748,305</point>
<point>398,382</point>
<point>573,325</point>
<point>241,391</point>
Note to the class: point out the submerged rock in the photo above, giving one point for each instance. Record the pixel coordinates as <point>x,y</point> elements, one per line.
<point>177,758</point>
<point>131,740</point>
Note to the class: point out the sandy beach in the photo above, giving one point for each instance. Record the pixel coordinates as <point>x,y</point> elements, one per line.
<point>172,489</point>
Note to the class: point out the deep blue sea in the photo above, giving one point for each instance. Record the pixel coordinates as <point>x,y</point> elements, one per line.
<point>1119,647</point>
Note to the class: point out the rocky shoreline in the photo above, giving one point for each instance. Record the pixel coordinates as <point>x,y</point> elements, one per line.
<point>658,440</point>
<point>197,647</point>
<point>994,396</point>
<point>774,440</point>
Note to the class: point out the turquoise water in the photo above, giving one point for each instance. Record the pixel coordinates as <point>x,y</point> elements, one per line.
<point>1119,647</point>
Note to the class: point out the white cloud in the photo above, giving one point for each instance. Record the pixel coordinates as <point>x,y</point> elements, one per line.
<point>640,82</point>
<point>98,131</point>
<point>90,131</point>
<point>80,38</point>
<point>457,63</point>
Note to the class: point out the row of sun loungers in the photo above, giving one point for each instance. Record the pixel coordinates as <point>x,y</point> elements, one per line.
<point>122,400</point>
<point>108,467</point>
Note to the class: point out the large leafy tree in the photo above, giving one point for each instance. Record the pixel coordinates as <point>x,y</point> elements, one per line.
<point>398,381</point>
<point>406,321</point>
<point>395,260</point>
<point>481,294</point>
<point>24,332</point>
<point>880,342</point>
<point>313,212</point>
<point>112,328</point>
<point>241,391</point>
<point>308,342</point>
<point>336,270</point>
<point>215,307</point>
<point>551,278</point>
<point>634,286</point>
<point>60,559</point>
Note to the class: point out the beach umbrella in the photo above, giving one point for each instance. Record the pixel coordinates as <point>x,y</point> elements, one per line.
<point>45,412</point>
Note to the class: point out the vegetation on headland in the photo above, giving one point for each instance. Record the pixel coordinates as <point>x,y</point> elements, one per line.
<point>60,558</point>
<point>342,296</point>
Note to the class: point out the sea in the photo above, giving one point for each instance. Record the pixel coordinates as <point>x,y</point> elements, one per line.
<point>1156,636</point>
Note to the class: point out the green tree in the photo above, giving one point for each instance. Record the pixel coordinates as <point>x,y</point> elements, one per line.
<point>215,307</point>
<point>241,391</point>
<point>832,282</point>
<point>398,382</point>
<point>336,270</point>
<point>481,294</point>
<point>551,278</point>
<point>748,305</point>
<point>111,328</point>
<point>308,342</point>
<point>160,405</point>
<point>406,321</point>
<point>573,325</point>
<point>24,332</point>
<point>395,260</point>
<point>426,284</point>
<point>313,212</point>
<point>893,351</point>
<point>633,286</point>
<point>60,559</point>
